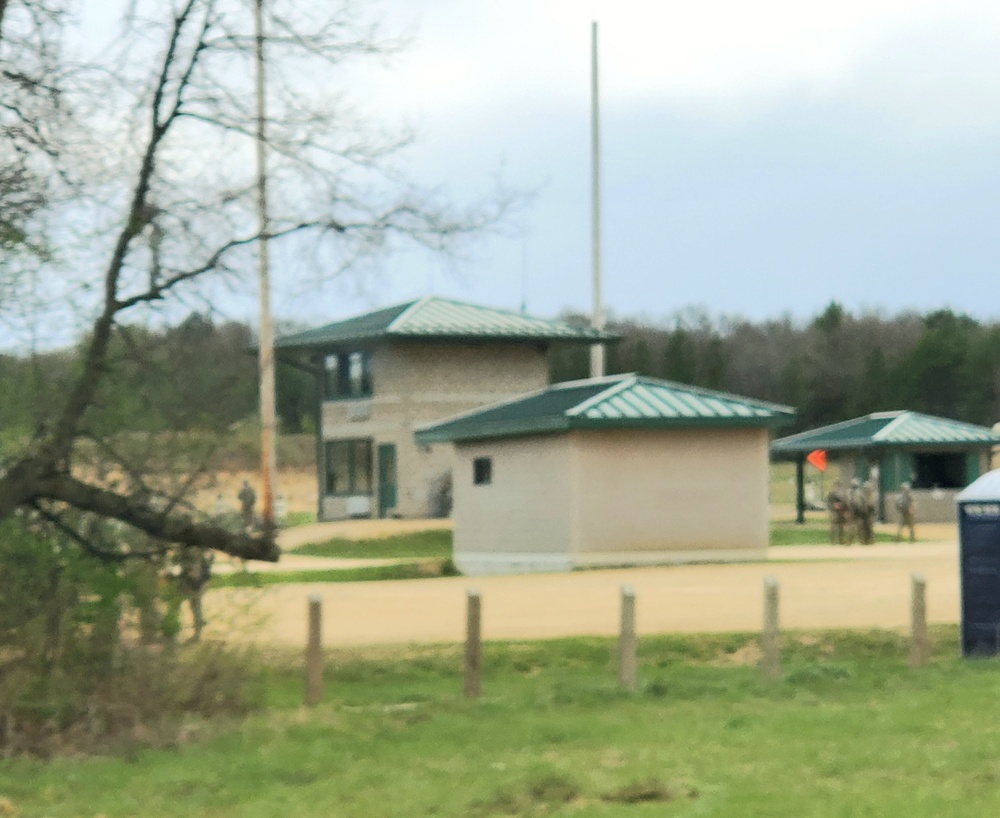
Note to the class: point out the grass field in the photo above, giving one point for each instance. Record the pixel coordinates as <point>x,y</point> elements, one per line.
<point>811,532</point>
<point>423,544</point>
<point>407,570</point>
<point>850,731</point>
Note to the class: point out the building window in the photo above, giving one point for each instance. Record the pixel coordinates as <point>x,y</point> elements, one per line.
<point>347,375</point>
<point>939,471</point>
<point>482,471</point>
<point>349,466</point>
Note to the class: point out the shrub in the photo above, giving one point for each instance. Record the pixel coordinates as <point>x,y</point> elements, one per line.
<point>87,659</point>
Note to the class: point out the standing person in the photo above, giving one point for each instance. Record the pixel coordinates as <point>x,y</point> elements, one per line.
<point>868,511</point>
<point>836,504</point>
<point>247,498</point>
<point>906,506</point>
<point>195,572</point>
<point>855,512</point>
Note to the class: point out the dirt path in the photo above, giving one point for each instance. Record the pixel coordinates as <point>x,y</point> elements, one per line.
<point>821,587</point>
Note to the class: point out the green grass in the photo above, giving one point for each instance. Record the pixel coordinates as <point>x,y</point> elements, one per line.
<point>811,532</point>
<point>294,518</point>
<point>423,544</point>
<point>782,483</point>
<point>374,573</point>
<point>849,731</point>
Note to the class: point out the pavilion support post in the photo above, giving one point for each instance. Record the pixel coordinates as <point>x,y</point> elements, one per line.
<point>800,489</point>
<point>882,462</point>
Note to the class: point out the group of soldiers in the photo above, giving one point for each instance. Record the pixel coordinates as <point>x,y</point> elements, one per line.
<point>853,509</point>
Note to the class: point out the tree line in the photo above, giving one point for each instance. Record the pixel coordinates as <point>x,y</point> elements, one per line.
<point>199,375</point>
<point>834,367</point>
<point>202,375</point>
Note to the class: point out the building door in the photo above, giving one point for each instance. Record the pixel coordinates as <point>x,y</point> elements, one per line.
<point>386,478</point>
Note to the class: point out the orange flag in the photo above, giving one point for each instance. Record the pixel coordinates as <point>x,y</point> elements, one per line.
<point>818,459</point>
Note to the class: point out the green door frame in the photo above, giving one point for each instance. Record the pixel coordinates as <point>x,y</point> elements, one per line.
<point>388,488</point>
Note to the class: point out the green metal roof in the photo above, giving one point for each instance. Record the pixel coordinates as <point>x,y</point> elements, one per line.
<point>433,318</point>
<point>888,429</point>
<point>615,402</point>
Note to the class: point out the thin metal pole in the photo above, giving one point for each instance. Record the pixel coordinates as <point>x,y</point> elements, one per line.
<point>268,424</point>
<point>597,350</point>
<point>770,663</point>
<point>473,644</point>
<point>919,645</point>
<point>314,652</point>
<point>627,662</point>
<point>800,490</point>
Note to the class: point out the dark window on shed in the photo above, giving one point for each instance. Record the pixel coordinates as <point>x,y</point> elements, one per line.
<point>941,471</point>
<point>482,471</point>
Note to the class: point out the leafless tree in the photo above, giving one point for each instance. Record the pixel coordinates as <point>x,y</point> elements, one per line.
<point>162,207</point>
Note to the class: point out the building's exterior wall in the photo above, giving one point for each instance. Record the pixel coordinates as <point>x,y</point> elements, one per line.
<point>612,498</point>
<point>931,506</point>
<point>414,383</point>
<point>671,495</point>
<point>522,520</point>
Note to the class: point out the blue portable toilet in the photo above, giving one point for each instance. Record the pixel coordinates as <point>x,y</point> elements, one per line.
<point>979,555</point>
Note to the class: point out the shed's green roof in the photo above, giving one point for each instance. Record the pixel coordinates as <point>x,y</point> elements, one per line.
<point>614,402</point>
<point>433,318</point>
<point>900,429</point>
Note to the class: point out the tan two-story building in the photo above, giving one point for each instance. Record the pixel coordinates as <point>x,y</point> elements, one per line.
<point>382,374</point>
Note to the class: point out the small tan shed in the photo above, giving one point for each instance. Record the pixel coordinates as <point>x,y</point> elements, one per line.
<point>623,470</point>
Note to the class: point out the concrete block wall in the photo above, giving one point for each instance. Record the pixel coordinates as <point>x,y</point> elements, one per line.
<point>415,383</point>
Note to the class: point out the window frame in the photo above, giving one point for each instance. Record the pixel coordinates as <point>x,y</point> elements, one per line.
<point>359,451</point>
<point>347,375</point>
<point>482,471</point>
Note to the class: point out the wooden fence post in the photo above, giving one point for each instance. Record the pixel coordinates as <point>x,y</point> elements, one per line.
<point>919,644</point>
<point>627,662</point>
<point>314,652</point>
<point>473,645</point>
<point>770,662</point>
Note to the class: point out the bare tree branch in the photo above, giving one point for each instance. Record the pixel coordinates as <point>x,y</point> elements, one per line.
<point>168,158</point>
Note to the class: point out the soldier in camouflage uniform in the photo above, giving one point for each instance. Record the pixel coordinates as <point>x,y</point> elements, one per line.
<point>247,497</point>
<point>906,507</point>
<point>863,508</point>
<point>837,505</point>
<point>195,572</point>
<point>854,505</point>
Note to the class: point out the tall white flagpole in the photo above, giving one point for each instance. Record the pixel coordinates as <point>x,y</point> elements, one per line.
<point>597,321</point>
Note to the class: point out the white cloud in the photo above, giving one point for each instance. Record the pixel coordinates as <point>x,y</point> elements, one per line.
<point>728,55</point>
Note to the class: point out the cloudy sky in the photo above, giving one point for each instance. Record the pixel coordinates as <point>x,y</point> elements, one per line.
<point>758,158</point>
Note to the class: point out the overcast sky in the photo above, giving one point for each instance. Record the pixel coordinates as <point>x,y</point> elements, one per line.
<point>758,158</point>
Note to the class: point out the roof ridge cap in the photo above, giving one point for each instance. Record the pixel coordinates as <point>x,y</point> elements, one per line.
<point>515,313</point>
<point>886,430</point>
<point>409,302</point>
<point>577,382</point>
<point>706,391</point>
<point>404,316</point>
<point>612,390</point>
<point>840,424</point>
